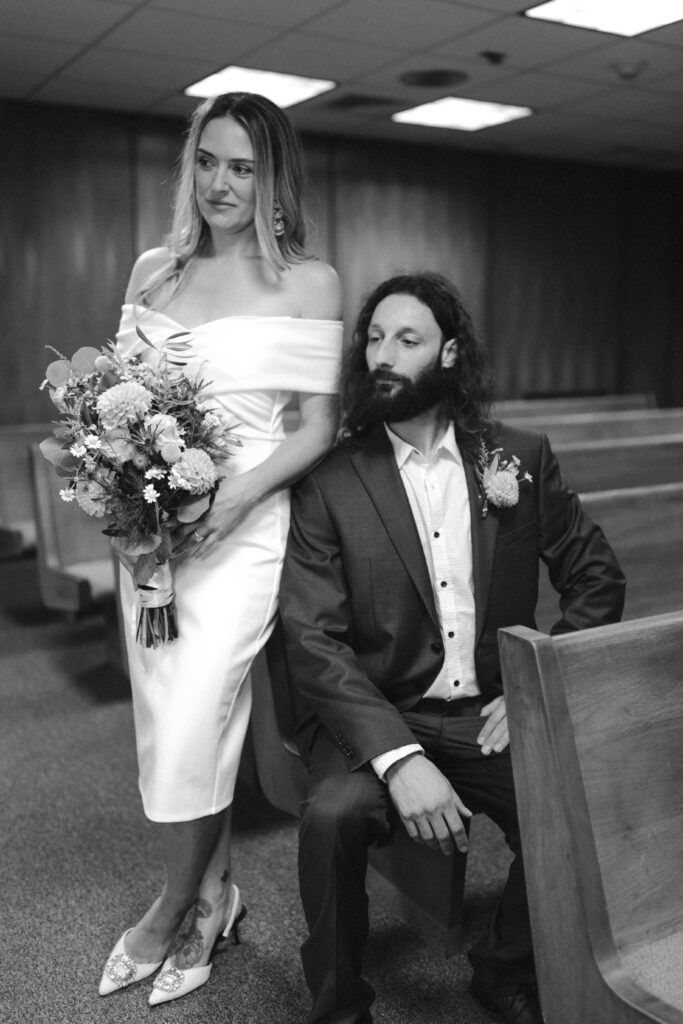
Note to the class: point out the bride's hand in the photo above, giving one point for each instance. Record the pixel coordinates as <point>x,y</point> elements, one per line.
<point>228,509</point>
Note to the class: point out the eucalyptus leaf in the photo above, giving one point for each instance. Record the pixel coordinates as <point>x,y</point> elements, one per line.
<point>83,360</point>
<point>193,508</point>
<point>144,568</point>
<point>58,373</point>
<point>54,451</point>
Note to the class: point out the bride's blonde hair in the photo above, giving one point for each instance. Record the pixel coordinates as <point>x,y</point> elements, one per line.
<point>278,170</point>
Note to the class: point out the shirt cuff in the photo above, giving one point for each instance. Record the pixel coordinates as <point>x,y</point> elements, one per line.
<point>383,762</point>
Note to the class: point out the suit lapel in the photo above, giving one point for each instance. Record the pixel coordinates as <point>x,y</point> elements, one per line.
<point>376,467</point>
<point>484,536</point>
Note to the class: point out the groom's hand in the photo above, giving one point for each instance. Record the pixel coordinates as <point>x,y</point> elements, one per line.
<point>494,736</point>
<point>429,807</point>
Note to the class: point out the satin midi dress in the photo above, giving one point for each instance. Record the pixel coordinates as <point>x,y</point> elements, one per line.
<point>192,697</point>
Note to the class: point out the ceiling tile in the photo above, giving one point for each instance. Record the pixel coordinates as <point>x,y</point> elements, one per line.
<point>273,13</point>
<point>122,95</point>
<point>153,73</point>
<point>401,23</point>
<point>165,32</point>
<point>303,54</point>
<point>75,21</point>
<point>15,84</point>
<point>500,6</point>
<point>670,35</point>
<point>626,103</point>
<point>671,84</point>
<point>647,61</point>
<point>535,89</point>
<point>527,43</point>
<point>42,56</point>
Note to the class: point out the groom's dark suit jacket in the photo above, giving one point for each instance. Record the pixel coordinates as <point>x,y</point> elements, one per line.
<point>363,635</point>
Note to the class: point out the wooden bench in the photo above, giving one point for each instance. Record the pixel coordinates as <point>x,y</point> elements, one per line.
<point>596,736</point>
<point>644,526</point>
<point>17,522</point>
<point>633,462</point>
<point>420,885</point>
<point>75,566</point>
<point>587,426</point>
<point>512,408</point>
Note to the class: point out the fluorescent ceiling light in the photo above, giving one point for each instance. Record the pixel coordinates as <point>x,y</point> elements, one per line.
<point>465,115</point>
<point>285,90</point>
<point>620,17</point>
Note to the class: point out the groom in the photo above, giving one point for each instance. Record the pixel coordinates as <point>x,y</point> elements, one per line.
<point>411,545</point>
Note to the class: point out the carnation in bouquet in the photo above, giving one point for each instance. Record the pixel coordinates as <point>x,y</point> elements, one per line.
<point>138,445</point>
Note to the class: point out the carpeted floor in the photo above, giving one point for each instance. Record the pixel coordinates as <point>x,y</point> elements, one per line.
<point>79,862</point>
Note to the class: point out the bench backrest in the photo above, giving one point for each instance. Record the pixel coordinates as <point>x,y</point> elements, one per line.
<point>596,727</point>
<point>16,497</point>
<point>513,407</point>
<point>66,535</point>
<point>592,426</point>
<point>644,526</point>
<point>633,462</point>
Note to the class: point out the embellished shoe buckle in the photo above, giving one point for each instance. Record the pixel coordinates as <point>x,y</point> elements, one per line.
<point>120,969</point>
<point>170,980</point>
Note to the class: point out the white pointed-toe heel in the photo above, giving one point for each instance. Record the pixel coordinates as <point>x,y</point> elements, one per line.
<point>173,982</point>
<point>121,970</point>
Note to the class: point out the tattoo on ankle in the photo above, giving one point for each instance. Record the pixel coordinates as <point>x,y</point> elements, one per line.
<point>189,946</point>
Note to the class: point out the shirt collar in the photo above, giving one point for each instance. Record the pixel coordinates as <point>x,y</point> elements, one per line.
<point>403,451</point>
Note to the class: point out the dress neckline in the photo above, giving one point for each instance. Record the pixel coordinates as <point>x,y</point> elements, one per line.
<point>231,316</point>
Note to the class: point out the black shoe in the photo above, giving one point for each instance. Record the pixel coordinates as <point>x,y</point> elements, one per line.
<point>516,1004</point>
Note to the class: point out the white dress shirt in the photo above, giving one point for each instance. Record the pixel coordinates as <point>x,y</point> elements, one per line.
<point>439,500</point>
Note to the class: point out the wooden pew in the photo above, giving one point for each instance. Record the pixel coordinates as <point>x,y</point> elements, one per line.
<point>420,885</point>
<point>17,522</point>
<point>75,567</point>
<point>512,408</point>
<point>644,526</point>
<point>632,462</point>
<point>596,736</point>
<point>594,426</point>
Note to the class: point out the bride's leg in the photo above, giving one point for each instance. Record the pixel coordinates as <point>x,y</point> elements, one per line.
<point>213,903</point>
<point>188,847</point>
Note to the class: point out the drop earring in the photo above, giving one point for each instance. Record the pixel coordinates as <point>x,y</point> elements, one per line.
<point>278,221</point>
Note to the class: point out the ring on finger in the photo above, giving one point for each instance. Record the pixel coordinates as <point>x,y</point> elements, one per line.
<point>199,537</point>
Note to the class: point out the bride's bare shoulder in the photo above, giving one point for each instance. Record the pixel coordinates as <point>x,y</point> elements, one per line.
<point>147,265</point>
<point>318,291</point>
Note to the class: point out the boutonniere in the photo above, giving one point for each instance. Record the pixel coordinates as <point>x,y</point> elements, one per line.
<point>499,478</point>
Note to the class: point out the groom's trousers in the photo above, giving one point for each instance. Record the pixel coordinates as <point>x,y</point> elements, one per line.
<point>346,812</point>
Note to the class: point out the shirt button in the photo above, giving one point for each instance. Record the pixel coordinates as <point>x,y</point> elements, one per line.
<point>451,634</point>
<point>444,583</point>
<point>436,533</point>
<point>456,682</point>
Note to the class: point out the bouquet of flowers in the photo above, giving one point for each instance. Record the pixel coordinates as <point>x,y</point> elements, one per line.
<point>139,446</point>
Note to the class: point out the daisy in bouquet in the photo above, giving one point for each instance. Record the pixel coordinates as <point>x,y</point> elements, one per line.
<point>139,446</point>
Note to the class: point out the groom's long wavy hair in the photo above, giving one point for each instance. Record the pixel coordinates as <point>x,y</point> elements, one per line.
<point>469,383</point>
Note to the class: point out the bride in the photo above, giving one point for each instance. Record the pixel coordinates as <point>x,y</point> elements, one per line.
<point>263,322</point>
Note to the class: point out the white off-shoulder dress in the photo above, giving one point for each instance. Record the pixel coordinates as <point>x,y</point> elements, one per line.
<point>192,698</point>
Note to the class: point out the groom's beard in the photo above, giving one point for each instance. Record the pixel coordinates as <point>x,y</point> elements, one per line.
<point>376,403</point>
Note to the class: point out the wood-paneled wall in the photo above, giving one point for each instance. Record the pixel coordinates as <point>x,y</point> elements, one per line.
<point>571,271</point>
